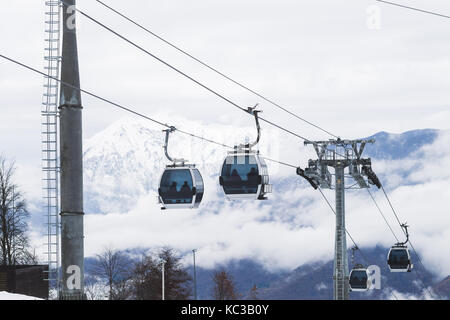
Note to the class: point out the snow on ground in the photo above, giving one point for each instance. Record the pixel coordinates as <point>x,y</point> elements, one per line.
<point>12,296</point>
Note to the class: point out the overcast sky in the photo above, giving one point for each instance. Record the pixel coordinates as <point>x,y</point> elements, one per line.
<point>319,58</point>
<point>327,60</point>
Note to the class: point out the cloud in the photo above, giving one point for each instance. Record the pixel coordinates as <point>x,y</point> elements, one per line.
<point>390,294</point>
<point>321,286</point>
<point>242,231</point>
<point>294,227</point>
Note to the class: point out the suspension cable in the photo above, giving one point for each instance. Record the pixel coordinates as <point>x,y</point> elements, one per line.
<point>348,233</point>
<point>359,249</point>
<point>381,212</point>
<point>410,243</point>
<point>164,125</point>
<point>185,75</point>
<point>212,68</point>
<point>415,9</point>
<point>128,109</point>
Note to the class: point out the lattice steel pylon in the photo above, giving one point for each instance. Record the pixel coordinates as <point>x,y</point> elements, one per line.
<point>49,134</point>
<point>340,154</point>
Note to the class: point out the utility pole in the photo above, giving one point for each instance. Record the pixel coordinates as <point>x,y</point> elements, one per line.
<point>71,165</point>
<point>163,263</point>
<point>340,154</point>
<point>195,276</point>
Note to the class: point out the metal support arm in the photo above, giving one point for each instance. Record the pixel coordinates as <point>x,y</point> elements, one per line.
<point>404,226</point>
<point>373,179</point>
<point>253,112</point>
<point>302,174</point>
<point>166,144</point>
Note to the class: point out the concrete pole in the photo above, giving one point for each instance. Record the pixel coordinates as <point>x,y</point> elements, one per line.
<point>340,275</point>
<point>195,277</point>
<point>71,164</point>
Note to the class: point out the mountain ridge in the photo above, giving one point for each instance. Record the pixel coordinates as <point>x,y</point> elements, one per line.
<point>125,160</point>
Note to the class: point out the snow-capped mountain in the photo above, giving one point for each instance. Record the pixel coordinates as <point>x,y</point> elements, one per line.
<point>314,281</point>
<point>121,164</point>
<point>390,146</point>
<point>293,230</point>
<point>125,161</point>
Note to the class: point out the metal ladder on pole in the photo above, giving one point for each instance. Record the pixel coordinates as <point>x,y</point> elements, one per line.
<point>49,134</point>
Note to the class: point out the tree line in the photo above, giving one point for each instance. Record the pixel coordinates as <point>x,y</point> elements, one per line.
<point>116,276</point>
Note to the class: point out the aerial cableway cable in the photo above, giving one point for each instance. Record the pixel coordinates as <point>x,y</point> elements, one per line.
<point>381,212</point>
<point>195,136</point>
<point>384,191</point>
<point>186,75</point>
<point>128,109</point>
<point>151,119</point>
<point>271,101</point>
<point>401,226</point>
<point>415,9</point>
<point>406,234</point>
<point>221,96</point>
<point>348,233</point>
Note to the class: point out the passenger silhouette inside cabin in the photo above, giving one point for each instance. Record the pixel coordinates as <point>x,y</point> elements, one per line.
<point>235,177</point>
<point>252,173</point>
<point>173,188</point>
<point>252,177</point>
<point>185,189</point>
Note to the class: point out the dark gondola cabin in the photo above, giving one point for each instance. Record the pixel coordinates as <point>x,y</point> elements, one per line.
<point>359,279</point>
<point>244,176</point>
<point>399,259</point>
<point>244,173</point>
<point>181,187</point>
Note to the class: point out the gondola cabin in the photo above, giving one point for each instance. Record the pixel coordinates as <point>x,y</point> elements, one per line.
<point>359,279</point>
<point>180,187</point>
<point>399,259</point>
<point>244,175</point>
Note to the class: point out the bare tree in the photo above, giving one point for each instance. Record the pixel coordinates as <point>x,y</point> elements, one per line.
<point>95,289</point>
<point>14,241</point>
<point>114,267</point>
<point>224,287</point>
